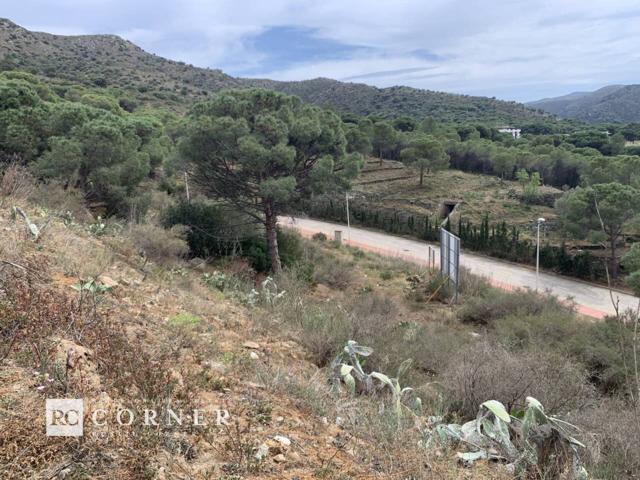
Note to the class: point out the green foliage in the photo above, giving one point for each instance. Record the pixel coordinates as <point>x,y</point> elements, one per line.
<point>261,151</point>
<point>184,320</point>
<point>209,233</point>
<point>84,146</point>
<point>631,263</point>
<point>426,153</point>
<point>217,280</point>
<point>530,185</point>
<point>384,138</point>
<point>358,140</point>
<point>600,210</point>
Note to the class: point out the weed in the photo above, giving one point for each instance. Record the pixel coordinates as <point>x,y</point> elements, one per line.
<point>184,320</point>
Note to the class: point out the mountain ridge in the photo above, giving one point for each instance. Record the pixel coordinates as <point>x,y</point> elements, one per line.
<point>109,60</point>
<point>611,103</point>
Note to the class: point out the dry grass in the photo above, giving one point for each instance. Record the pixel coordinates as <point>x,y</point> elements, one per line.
<point>488,371</point>
<point>162,246</point>
<point>477,193</point>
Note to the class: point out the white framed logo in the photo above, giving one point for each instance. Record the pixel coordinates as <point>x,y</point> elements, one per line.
<point>64,417</point>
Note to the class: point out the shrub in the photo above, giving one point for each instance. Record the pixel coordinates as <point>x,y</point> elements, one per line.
<point>611,431</point>
<point>431,344</point>
<point>432,287</point>
<point>333,272</point>
<point>386,275</point>
<point>184,320</point>
<point>319,237</point>
<point>209,233</point>
<point>290,247</point>
<point>15,181</point>
<point>496,304</point>
<point>597,345</point>
<point>324,330</point>
<point>160,245</point>
<point>484,370</point>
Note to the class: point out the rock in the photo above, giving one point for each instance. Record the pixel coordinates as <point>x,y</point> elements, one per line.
<point>198,263</point>
<point>64,473</point>
<point>218,367</point>
<point>339,421</point>
<point>282,440</point>
<point>263,451</point>
<point>251,345</point>
<point>254,356</point>
<point>279,419</point>
<point>280,458</point>
<point>107,281</point>
<point>294,457</point>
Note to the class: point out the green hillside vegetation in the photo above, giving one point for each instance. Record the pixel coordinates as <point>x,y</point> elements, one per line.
<point>108,61</point>
<point>398,101</point>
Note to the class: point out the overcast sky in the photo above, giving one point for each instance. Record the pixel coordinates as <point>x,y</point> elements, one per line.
<point>518,50</point>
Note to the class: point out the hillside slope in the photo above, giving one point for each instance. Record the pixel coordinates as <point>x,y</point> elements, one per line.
<point>400,100</point>
<point>613,103</point>
<point>108,60</point>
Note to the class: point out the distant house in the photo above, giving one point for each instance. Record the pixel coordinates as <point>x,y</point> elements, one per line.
<point>514,132</point>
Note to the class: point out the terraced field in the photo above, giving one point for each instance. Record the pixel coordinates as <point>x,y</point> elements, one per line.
<point>392,185</point>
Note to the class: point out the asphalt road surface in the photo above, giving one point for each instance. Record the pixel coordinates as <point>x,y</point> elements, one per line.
<point>591,300</point>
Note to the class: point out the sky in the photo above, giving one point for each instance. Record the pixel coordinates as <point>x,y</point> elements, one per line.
<point>513,50</point>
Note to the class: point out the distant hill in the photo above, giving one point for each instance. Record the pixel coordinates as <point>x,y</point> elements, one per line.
<point>613,103</point>
<point>110,61</point>
<point>397,101</point>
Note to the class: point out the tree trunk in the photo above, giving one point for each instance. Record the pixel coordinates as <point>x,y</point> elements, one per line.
<point>421,174</point>
<point>380,155</point>
<point>614,262</point>
<point>270,221</point>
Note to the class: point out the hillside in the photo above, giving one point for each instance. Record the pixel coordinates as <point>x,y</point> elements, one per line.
<point>613,103</point>
<point>110,61</point>
<point>113,314</point>
<point>399,100</point>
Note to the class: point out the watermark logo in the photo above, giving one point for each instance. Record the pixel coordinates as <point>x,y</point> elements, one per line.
<point>64,417</point>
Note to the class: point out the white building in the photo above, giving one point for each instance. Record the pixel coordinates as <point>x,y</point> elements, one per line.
<point>515,132</point>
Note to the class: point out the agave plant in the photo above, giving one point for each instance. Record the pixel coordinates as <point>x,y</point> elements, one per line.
<point>32,227</point>
<point>400,394</point>
<point>350,371</point>
<point>527,440</point>
<point>349,368</point>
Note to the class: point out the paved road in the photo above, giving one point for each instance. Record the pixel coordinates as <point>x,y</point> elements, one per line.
<point>591,300</point>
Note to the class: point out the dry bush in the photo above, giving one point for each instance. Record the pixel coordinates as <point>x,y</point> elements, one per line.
<point>16,183</point>
<point>81,258</point>
<point>166,247</point>
<point>333,272</point>
<point>472,285</point>
<point>496,304</point>
<point>63,200</point>
<point>485,371</point>
<point>323,330</point>
<point>596,345</point>
<point>431,345</point>
<point>611,432</point>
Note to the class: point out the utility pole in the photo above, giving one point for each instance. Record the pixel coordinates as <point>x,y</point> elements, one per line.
<point>540,222</point>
